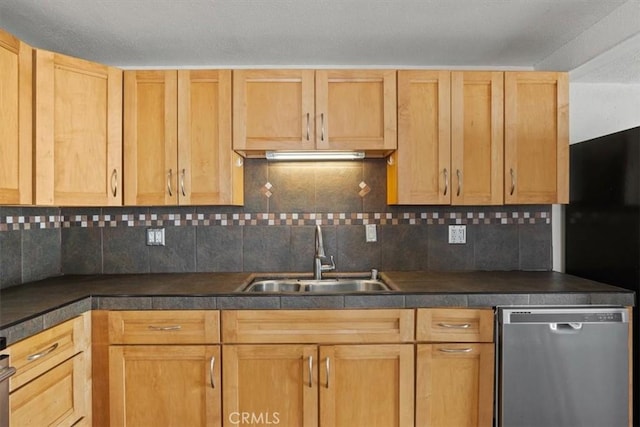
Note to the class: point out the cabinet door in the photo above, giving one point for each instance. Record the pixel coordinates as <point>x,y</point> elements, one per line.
<point>164,385</point>
<point>536,138</point>
<point>270,384</point>
<point>210,172</point>
<point>16,119</point>
<point>367,385</point>
<point>477,141</point>
<point>55,398</point>
<point>356,110</point>
<point>273,110</point>
<point>150,137</point>
<point>419,171</point>
<point>454,385</point>
<point>78,132</point>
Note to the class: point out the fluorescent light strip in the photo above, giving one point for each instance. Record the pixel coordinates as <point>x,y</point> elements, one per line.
<point>314,155</point>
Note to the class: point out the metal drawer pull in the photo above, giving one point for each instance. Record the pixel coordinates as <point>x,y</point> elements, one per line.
<point>328,371</point>
<point>36,356</point>
<point>212,365</point>
<point>184,171</point>
<point>114,183</point>
<point>455,326</point>
<point>310,371</point>
<point>165,328</point>
<point>169,178</point>
<point>322,127</point>
<point>455,350</point>
<point>446,181</point>
<point>459,174</point>
<point>307,126</point>
<point>513,181</point>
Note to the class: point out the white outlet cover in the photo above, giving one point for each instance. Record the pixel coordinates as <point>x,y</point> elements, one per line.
<point>457,234</point>
<point>371,232</point>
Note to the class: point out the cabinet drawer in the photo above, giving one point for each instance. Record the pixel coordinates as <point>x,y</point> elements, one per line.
<point>317,326</point>
<point>37,354</point>
<point>164,327</point>
<point>455,325</point>
<point>55,398</point>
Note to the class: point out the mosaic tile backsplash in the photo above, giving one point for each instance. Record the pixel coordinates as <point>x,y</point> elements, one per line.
<point>274,230</point>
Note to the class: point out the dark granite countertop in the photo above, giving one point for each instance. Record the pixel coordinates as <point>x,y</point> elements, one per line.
<point>32,307</point>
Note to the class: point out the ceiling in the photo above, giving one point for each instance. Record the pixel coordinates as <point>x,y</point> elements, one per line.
<point>596,40</point>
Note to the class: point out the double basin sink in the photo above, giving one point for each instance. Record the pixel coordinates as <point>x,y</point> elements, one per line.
<point>329,285</point>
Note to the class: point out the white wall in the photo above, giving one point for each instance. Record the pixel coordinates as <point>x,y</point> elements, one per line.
<point>595,109</point>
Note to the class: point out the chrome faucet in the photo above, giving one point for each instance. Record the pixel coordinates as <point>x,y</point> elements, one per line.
<point>319,259</point>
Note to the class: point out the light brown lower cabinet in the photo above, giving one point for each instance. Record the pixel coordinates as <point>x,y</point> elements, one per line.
<point>325,385</point>
<point>165,385</point>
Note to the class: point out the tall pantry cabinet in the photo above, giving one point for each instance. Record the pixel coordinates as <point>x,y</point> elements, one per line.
<point>15,116</point>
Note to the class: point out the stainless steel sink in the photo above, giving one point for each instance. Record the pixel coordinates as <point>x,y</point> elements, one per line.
<point>333,285</point>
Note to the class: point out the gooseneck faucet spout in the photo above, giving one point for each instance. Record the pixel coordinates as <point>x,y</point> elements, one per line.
<point>320,259</point>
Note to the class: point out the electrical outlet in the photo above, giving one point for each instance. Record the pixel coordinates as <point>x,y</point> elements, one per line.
<point>371,232</point>
<point>155,236</point>
<point>457,234</point>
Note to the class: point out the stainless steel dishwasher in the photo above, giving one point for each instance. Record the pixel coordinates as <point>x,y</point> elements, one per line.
<point>562,367</point>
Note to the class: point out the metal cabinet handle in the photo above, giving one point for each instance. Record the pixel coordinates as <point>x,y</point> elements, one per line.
<point>169,178</point>
<point>328,368</point>
<point>459,175</point>
<point>513,181</point>
<point>455,325</point>
<point>308,126</point>
<point>114,183</point>
<point>322,127</point>
<point>455,350</point>
<point>446,181</point>
<point>310,371</point>
<point>36,356</point>
<point>184,172</point>
<point>212,365</point>
<point>165,328</point>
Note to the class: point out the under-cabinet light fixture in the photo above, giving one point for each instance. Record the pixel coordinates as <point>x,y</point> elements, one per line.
<point>314,155</point>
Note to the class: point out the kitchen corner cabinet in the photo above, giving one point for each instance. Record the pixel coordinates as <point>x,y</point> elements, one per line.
<point>450,139</point>
<point>454,367</point>
<point>164,368</point>
<point>78,132</point>
<point>319,367</point>
<point>52,384</point>
<point>536,138</point>
<point>16,112</point>
<point>314,110</point>
<point>177,139</point>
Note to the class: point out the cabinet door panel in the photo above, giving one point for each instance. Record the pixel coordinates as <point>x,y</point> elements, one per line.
<point>210,172</point>
<point>477,138</point>
<point>150,137</point>
<point>536,137</point>
<point>78,131</point>
<point>366,385</point>
<point>272,383</point>
<point>164,385</point>
<point>419,171</point>
<point>16,119</point>
<point>454,385</point>
<point>356,109</point>
<point>273,110</point>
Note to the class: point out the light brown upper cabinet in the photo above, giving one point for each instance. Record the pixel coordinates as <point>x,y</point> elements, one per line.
<point>177,139</point>
<point>450,142</point>
<point>419,172</point>
<point>16,128</point>
<point>536,137</point>
<point>78,132</point>
<point>314,110</point>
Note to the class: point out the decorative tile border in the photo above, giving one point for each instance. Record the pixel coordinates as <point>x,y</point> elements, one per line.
<point>23,222</point>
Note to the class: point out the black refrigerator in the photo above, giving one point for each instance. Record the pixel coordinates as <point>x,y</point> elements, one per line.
<point>602,220</point>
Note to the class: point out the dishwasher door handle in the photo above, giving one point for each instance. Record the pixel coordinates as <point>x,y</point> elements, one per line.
<point>566,328</point>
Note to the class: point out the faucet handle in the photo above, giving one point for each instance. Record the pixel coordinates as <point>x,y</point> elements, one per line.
<point>327,267</point>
